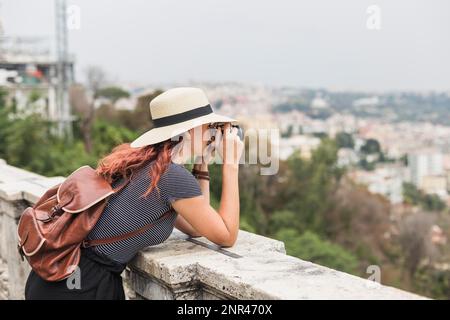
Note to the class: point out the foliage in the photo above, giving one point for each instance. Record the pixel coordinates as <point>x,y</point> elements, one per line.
<point>433,282</point>
<point>309,246</point>
<point>29,144</point>
<point>344,140</point>
<point>106,136</point>
<point>4,122</point>
<point>308,204</point>
<point>24,135</point>
<point>113,93</point>
<point>288,132</point>
<point>414,196</point>
<point>308,185</point>
<point>283,219</point>
<point>371,146</point>
<point>366,165</point>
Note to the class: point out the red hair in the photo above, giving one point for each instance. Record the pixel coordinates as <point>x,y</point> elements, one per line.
<point>124,160</point>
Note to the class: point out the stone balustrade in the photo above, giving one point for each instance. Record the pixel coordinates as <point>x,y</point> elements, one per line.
<point>256,267</point>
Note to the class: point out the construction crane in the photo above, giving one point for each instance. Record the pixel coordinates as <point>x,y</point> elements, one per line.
<point>16,52</point>
<point>2,34</point>
<point>64,73</point>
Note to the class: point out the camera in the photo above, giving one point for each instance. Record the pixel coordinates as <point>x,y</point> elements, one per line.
<point>220,126</point>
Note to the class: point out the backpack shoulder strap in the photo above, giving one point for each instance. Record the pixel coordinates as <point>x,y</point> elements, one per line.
<point>90,243</point>
<point>123,185</point>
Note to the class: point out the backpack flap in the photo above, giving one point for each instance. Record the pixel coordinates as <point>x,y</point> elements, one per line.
<point>82,189</point>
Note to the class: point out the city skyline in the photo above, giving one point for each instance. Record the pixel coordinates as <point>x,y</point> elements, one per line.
<point>323,44</point>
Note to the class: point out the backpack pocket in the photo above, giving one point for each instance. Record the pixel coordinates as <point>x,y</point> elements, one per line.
<point>29,234</point>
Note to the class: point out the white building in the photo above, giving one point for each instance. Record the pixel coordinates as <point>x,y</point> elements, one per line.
<point>435,185</point>
<point>423,163</point>
<point>304,143</point>
<point>385,180</point>
<point>365,102</point>
<point>347,157</point>
<point>319,103</point>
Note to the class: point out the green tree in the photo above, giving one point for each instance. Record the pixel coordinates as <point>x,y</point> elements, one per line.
<point>432,202</point>
<point>288,132</point>
<point>429,202</point>
<point>308,186</point>
<point>371,146</point>
<point>309,246</point>
<point>113,93</point>
<point>283,219</point>
<point>107,136</point>
<point>366,165</point>
<point>344,140</point>
<point>4,122</point>
<point>433,283</point>
<point>29,144</point>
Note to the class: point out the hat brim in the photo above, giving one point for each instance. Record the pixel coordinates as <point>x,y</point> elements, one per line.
<point>156,135</point>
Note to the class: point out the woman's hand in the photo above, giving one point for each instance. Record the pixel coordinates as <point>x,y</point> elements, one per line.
<point>229,145</point>
<point>222,226</point>
<point>201,162</point>
<point>208,154</point>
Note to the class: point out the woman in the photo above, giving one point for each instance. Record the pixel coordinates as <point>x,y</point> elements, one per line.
<point>159,184</point>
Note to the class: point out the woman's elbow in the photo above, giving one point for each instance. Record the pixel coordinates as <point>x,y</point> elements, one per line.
<point>227,245</point>
<point>228,242</point>
<point>195,235</point>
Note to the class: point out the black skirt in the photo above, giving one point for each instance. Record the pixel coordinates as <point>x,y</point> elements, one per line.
<point>98,278</point>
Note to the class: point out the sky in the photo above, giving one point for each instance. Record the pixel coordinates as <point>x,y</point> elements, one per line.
<point>316,44</point>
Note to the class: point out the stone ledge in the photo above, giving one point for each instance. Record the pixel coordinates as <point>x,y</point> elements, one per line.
<point>3,280</point>
<point>17,184</point>
<point>181,269</point>
<point>264,271</point>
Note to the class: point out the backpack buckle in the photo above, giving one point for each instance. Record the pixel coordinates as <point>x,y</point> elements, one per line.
<point>21,253</point>
<point>85,243</point>
<point>56,209</point>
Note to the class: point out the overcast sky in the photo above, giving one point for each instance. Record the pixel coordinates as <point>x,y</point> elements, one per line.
<point>303,43</point>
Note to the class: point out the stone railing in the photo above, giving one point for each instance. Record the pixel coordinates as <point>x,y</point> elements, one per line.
<point>256,267</point>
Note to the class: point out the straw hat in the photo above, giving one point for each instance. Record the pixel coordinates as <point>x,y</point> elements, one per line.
<point>175,111</point>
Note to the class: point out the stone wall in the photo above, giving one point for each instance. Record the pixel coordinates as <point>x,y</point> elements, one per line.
<point>256,267</point>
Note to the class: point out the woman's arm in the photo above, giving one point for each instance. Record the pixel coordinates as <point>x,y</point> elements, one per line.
<point>204,184</point>
<point>229,202</point>
<point>184,226</point>
<point>203,220</point>
<point>222,226</point>
<point>181,223</point>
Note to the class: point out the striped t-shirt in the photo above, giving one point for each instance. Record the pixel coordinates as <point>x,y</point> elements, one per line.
<point>126,211</point>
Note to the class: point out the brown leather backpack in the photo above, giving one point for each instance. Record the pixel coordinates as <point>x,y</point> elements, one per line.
<point>52,232</point>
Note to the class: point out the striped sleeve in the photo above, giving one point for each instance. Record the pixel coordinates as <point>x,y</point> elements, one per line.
<point>178,183</point>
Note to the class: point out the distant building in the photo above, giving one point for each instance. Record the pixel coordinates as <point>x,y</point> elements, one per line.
<point>425,163</point>
<point>319,103</point>
<point>303,143</point>
<point>128,104</point>
<point>366,102</point>
<point>31,77</point>
<point>385,180</point>
<point>347,157</point>
<point>35,81</point>
<point>434,185</point>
